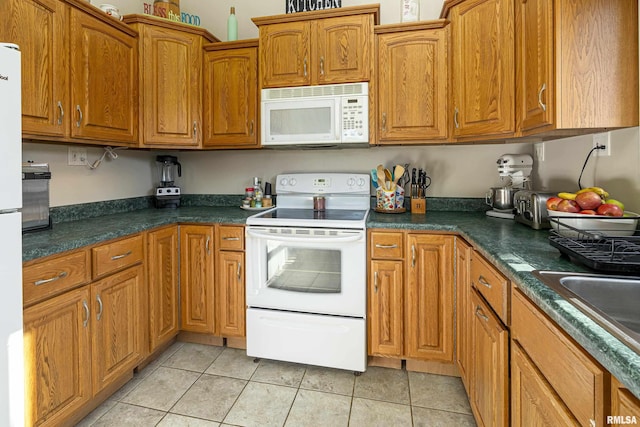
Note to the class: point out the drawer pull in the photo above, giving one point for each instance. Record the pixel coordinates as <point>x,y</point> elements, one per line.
<point>481,314</point>
<point>85,322</point>
<point>484,282</point>
<point>53,279</point>
<point>124,255</point>
<point>394,246</point>
<point>99,315</point>
<point>231,239</point>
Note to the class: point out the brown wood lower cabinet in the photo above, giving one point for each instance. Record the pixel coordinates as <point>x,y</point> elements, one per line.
<point>231,308</point>
<point>117,303</point>
<point>162,276</point>
<point>411,296</point>
<point>463,311</point>
<point>576,385</point>
<point>625,407</point>
<point>197,278</point>
<point>489,365</point>
<point>57,350</point>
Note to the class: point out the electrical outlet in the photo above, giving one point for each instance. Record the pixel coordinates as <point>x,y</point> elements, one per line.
<point>602,139</point>
<point>77,156</point>
<point>539,148</point>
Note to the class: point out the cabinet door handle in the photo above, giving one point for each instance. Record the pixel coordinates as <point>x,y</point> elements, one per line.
<point>322,65</point>
<point>61,116</point>
<point>304,66</point>
<point>484,281</point>
<point>206,245</point>
<point>542,104</point>
<point>413,255</point>
<point>455,118</point>
<point>79,110</point>
<point>52,279</point>
<point>239,271</point>
<point>117,257</point>
<point>375,282</point>
<point>85,322</point>
<point>251,127</point>
<point>195,130</point>
<point>384,122</point>
<point>231,239</point>
<point>394,246</point>
<point>481,314</point>
<point>99,315</point>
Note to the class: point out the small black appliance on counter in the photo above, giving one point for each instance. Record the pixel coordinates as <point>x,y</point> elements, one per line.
<point>35,196</point>
<point>168,195</point>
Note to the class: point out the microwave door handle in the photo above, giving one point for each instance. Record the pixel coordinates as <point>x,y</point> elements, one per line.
<point>301,238</point>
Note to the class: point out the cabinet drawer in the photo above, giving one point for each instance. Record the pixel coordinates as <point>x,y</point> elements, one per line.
<point>117,255</point>
<point>52,276</point>
<point>230,238</point>
<point>574,375</point>
<point>492,285</point>
<point>386,245</point>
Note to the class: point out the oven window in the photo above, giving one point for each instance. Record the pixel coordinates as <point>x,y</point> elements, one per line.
<point>309,270</point>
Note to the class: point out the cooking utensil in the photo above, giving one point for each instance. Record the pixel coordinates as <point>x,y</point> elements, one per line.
<point>398,171</point>
<point>388,178</point>
<point>381,179</point>
<point>374,178</point>
<point>500,198</point>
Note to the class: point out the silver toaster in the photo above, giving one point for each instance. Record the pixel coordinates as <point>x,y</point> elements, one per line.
<point>35,196</point>
<point>531,208</point>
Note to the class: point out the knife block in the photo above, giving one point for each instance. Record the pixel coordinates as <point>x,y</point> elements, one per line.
<point>418,205</point>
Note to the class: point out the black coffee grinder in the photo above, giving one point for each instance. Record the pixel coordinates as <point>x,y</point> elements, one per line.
<point>168,195</point>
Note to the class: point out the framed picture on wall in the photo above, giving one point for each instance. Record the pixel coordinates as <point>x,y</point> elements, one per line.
<point>410,10</point>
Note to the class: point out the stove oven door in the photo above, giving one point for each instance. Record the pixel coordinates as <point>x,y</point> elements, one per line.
<point>307,270</point>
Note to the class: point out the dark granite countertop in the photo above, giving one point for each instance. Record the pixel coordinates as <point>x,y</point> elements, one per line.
<point>514,248</point>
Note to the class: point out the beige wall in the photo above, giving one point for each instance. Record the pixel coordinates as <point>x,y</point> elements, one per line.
<point>457,171</point>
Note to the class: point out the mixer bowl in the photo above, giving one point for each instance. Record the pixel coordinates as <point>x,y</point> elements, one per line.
<point>500,198</point>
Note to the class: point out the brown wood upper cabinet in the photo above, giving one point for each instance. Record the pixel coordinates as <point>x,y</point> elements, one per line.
<point>412,70</point>
<point>79,74</point>
<point>321,47</point>
<point>231,95</point>
<point>483,75</point>
<point>576,65</point>
<point>171,81</point>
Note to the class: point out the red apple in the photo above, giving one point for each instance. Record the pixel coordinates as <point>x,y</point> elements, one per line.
<point>609,209</point>
<point>567,205</point>
<point>589,200</point>
<point>587,212</point>
<point>552,203</point>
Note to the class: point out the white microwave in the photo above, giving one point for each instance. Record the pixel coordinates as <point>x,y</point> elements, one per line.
<point>326,115</point>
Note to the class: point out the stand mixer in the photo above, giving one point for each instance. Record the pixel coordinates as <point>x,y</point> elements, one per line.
<point>514,171</point>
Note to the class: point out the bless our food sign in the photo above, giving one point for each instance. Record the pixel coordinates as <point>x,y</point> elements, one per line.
<point>293,6</point>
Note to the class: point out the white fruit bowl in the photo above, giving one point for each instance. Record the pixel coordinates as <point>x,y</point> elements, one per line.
<point>594,224</point>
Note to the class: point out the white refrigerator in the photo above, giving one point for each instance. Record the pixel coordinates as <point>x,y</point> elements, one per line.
<point>11,347</point>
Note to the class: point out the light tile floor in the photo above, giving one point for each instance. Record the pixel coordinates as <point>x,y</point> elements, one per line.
<point>197,385</point>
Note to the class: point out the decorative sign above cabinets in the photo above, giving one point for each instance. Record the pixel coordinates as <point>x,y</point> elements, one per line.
<point>293,6</point>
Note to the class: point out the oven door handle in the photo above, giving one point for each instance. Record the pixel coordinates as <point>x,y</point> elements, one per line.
<point>277,238</point>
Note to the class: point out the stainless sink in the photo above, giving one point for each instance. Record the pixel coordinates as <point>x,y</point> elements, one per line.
<point>611,301</point>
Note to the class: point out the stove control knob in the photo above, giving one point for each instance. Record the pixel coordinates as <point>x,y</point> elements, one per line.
<point>293,182</point>
<point>361,182</point>
<point>351,182</point>
<point>283,182</point>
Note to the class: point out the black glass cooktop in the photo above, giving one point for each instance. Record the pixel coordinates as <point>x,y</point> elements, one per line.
<point>310,214</point>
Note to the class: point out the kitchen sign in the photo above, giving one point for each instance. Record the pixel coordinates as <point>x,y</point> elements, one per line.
<point>293,6</point>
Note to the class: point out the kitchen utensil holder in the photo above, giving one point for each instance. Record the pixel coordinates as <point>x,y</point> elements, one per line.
<point>418,205</point>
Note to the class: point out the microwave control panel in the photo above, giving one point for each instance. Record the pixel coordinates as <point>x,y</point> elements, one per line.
<point>355,118</point>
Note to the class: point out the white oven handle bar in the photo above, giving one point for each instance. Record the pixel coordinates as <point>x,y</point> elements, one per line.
<point>277,238</point>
